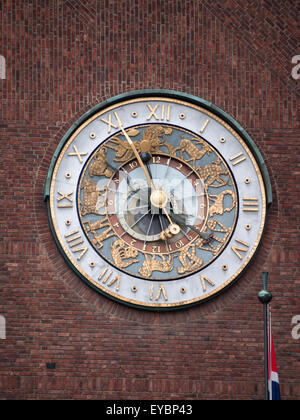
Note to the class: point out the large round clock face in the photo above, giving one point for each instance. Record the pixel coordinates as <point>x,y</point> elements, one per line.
<point>157,202</point>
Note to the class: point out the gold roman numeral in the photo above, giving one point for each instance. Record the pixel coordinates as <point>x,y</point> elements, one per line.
<point>204,125</point>
<point>108,274</point>
<point>77,153</point>
<point>159,112</point>
<point>66,196</point>
<point>109,123</point>
<point>240,157</point>
<point>75,239</point>
<point>207,280</point>
<point>236,249</point>
<point>250,204</point>
<point>161,291</point>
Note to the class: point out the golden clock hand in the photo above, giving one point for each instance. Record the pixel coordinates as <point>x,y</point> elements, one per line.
<point>130,142</point>
<point>168,216</point>
<point>156,202</point>
<point>159,199</point>
<point>203,235</point>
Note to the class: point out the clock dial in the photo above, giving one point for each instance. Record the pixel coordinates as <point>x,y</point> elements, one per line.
<point>127,222</point>
<point>157,202</point>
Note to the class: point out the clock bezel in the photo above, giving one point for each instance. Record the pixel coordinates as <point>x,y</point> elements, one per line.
<point>172,95</point>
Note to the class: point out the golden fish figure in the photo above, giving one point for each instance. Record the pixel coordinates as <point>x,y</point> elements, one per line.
<point>189,260</point>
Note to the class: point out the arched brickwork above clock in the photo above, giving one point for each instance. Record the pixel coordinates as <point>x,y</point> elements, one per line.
<point>62,59</point>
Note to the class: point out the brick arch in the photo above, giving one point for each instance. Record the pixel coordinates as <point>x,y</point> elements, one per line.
<point>97,50</point>
<point>269,29</point>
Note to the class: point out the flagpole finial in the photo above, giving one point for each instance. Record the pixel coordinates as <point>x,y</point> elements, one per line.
<point>264,296</point>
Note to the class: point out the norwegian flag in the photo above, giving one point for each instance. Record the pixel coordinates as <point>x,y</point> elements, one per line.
<point>273,381</point>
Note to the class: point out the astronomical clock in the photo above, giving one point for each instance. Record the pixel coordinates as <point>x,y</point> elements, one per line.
<point>157,199</point>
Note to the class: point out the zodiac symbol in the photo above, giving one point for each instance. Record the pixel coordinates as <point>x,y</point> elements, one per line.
<point>217,207</point>
<point>192,150</point>
<point>99,164</point>
<point>121,251</point>
<point>212,173</point>
<point>100,224</point>
<point>91,195</point>
<point>123,149</point>
<point>207,245</point>
<point>153,139</point>
<point>154,265</point>
<point>194,262</point>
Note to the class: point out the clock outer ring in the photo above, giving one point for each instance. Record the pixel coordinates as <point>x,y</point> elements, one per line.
<point>83,120</point>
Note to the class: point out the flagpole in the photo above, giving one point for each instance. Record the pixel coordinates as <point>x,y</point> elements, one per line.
<point>265,298</point>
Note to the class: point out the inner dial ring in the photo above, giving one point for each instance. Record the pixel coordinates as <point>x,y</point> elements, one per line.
<point>135,212</point>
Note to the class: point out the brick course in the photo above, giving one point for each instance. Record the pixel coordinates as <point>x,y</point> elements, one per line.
<point>63,57</point>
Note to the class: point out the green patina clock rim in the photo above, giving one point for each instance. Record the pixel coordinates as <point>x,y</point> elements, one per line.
<point>175,95</point>
<point>172,95</point>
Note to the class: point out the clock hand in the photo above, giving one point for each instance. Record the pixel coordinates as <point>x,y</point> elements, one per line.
<point>131,144</point>
<point>181,221</point>
<point>173,229</point>
<point>157,202</point>
<point>128,178</point>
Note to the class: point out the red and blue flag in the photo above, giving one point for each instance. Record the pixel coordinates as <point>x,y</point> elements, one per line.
<point>273,381</point>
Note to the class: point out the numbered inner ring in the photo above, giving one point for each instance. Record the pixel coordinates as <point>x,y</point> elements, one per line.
<point>137,212</point>
<point>165,227</point>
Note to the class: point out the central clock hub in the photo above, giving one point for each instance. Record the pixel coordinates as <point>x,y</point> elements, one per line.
<point>135,210</point>
<point>159,199</point>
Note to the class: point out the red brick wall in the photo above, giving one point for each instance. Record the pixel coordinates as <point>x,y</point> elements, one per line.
<point>62,58</point>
